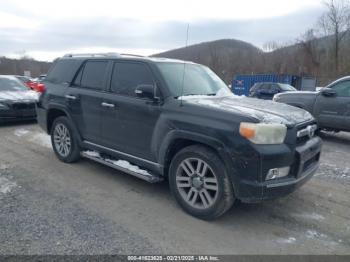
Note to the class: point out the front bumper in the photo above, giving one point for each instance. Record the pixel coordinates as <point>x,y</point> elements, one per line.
<point>304,162</point>
<point>17,115</point>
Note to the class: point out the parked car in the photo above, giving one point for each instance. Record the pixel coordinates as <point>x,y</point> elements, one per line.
<point>268,90</point>
<point>16,101</point>
<point>330,106</point>
<point>27,81</point>
<point>146,117</point>
<point>41,77</point>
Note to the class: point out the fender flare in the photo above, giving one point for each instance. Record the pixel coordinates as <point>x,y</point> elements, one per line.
<point>63,109</point>
<point>209,141</point>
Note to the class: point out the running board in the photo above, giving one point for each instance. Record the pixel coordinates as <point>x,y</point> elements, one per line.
<point>143,174</point>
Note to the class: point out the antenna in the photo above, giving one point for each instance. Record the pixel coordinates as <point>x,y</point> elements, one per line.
<point>184,69</point>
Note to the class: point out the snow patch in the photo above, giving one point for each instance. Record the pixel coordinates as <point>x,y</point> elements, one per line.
<point>41,139</point>
<point>333,171</point>
<point>313,234</point>
<point>21,132</point>
<point>38,138</point>
<point>289,240</point>
<point>128,166</point>
<point>6,185</point>
<point>312,216</point>
<point>92,153</point>
<point>3,166</point>
<point>121,163</point>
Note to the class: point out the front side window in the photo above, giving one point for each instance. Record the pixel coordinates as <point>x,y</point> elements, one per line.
<point>94,73</point>
<point>128,76</point>
<point>191,79</point>
<point>342,88</point>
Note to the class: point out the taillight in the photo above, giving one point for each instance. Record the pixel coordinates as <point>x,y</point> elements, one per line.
<point>39,87</point>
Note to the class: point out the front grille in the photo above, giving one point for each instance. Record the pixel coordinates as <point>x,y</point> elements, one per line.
<point>20,106</point>
<point>303,139</point>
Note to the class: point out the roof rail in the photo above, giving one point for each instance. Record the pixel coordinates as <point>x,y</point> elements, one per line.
<point>132,55</point>
<point>93,55</point>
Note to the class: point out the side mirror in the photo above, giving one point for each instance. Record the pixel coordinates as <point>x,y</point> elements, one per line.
<point>328,92</point>
<point>146,91</point>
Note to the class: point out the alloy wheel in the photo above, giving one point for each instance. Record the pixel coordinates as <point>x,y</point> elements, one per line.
<point>197,183</point>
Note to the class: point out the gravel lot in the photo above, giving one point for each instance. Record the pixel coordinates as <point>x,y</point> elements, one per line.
<point>48,207</point>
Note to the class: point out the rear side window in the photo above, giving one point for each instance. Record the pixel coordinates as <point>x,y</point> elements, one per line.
<point>94,74</point>
<point>128,76</point>
<point>63,71</point>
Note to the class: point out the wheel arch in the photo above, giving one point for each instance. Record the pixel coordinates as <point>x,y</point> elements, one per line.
<point>177,140</point>
<point>55,111</point>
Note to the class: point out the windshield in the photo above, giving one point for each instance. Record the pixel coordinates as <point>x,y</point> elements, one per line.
<point>286,87</point>
<point>196,79</point>
<point>11,84</point>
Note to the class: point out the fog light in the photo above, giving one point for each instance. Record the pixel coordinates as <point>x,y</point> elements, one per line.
<point>277,172</point>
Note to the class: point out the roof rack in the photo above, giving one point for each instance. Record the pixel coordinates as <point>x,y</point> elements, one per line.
<point>132,55</point>
<point>93,55</point>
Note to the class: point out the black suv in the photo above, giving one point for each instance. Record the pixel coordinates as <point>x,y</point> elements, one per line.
<point>265,90</point>
<point>158,118</point>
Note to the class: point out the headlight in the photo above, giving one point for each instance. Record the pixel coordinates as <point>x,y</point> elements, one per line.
<point>3,106</point>
<point>275,98</point>
<point>263,133</point>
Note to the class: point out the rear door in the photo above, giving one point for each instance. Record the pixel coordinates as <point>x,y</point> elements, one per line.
<point>334,111</point>
<point>85,96</point>
<point>129,121</point>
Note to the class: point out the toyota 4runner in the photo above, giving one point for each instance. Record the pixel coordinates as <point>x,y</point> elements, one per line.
<point>158,118</point>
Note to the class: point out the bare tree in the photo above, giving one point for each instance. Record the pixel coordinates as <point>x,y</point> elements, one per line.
<point>310,50</point>
<point>335,22</point>
<point>214,59</point>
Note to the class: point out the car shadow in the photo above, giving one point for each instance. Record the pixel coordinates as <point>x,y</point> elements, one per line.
<point>341,137</point>
<point>18,123</point>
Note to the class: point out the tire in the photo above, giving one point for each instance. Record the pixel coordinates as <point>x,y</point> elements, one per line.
<point>188,175</point>
<point>63,132</point>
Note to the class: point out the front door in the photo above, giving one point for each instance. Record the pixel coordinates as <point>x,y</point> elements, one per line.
<point>128,122</point>
<point>334,111</point>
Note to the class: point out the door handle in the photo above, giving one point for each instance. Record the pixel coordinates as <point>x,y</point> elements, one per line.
<point>70,97</point>
<point>107,105</point>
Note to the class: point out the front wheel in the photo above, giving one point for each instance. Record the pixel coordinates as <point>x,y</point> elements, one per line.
<point>199,182</point>
<point>64,142</point>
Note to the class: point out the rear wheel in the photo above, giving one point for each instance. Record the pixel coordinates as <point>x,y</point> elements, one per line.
<point>199,182</point>
<point>64,142</point>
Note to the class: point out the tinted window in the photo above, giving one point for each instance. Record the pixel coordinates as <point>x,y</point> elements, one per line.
<point>255,87</point>
<point>127,76</point>
<point>274,88</point>
<point>77,79</point>
<point>94,74</point>
<point>342,88</point>
<point>265,87</point>
<point>63,71</point>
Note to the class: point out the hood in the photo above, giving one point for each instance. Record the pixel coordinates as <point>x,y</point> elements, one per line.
<point>19,95</point>
<point>263,110</point>
<point>298,93</point>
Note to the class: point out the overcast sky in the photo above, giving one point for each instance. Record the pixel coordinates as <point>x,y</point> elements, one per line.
<point>47,29</point>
